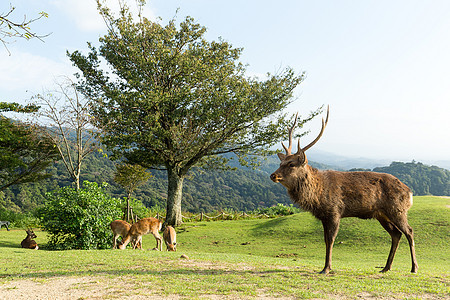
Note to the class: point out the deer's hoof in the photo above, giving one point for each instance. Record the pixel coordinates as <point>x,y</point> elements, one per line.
<point>325,271</point>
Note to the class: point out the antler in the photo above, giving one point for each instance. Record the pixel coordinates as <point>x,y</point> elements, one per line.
<point>288,150</point>
<point>324,124</point>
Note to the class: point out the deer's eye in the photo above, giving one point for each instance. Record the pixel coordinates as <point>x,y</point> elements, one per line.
<point>291,165</point>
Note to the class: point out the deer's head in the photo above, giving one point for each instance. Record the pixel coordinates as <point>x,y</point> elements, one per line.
<point>172,247</point>
<point>293,166</point>
<point>30,233</point>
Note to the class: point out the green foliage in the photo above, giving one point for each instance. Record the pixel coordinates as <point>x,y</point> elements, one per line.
<point>422,179</point>
<point>131,176</point>
<point>79,219</point>
<point>278,210</point>
<point>25,153</point>
<point>19,220</point>
<point>16,107</point>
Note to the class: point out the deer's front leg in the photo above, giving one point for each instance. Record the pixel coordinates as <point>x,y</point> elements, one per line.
<point>330,230</point>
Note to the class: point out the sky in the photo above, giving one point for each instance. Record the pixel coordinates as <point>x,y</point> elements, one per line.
<point>382,66</point>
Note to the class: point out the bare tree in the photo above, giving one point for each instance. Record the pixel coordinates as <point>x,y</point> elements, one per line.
<point>65,113</point>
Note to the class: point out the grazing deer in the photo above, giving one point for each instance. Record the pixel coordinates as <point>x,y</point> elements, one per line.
<point>332,195</point>
<point>121,228</point>
<point>141,227</point>
<point>28,242</point>
<point>170,238</point>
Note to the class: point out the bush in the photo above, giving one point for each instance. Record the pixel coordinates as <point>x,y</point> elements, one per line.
<point>278,210</point>
<point>18,220</point>
<point>79,219</point>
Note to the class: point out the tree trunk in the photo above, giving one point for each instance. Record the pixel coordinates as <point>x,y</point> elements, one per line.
<point>77,182</point>
<point>128,208</point>
<point>174,195</point>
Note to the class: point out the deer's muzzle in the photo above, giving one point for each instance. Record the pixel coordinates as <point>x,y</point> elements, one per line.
<point>275,177</point>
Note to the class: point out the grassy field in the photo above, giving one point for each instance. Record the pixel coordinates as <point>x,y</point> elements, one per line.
<point>271,258</point>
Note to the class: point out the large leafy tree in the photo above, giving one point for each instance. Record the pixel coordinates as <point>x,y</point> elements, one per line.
<point>25,152</point>
<point>167,98</point>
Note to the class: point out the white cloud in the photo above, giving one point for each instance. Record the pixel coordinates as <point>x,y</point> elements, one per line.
<point>23,71</point>
<point>86,16</point>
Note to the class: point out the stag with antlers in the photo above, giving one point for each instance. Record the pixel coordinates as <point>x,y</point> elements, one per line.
<point>28,242</point>
<point>333,195</point>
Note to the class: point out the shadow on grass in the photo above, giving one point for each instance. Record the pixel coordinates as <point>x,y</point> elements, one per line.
<point>146,272</point>
<point>5,244</point>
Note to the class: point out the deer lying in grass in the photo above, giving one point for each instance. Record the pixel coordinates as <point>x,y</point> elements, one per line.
<point>170,238</point>
<point>332,195</point>
<point>141,227</point>
<point>28,242</point>
<point>121,228</point>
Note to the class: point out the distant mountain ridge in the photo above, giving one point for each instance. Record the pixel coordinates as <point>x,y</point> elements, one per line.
<point>340,162</point>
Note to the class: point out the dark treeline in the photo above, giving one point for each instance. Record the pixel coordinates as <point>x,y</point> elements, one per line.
<point>242,189</point>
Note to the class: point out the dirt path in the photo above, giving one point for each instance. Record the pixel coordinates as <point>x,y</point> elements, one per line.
<point>68,288</point>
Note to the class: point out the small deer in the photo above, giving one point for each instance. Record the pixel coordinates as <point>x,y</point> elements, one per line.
<point>333,195</point>
<point>170,238</point>
<point>121,228</point>
<point>28,242</point>
<point>141,227</point>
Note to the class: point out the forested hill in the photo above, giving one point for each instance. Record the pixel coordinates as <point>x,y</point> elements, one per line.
<point>422,179</point>
<point>242,189</point>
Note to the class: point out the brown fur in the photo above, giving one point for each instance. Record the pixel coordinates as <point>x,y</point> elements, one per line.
<point>28,242</point>
<point>332,195</point>
<point>121,228</point>
<point>170,238</point>
<point>141,227</point>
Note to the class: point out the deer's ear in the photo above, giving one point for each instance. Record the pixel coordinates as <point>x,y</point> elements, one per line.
<point>302,160</point>
<point>281,156</point>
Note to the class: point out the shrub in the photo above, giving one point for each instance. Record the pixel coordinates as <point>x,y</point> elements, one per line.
<point>278,210</point>
<point>79,219</point>
<point>18,220</point>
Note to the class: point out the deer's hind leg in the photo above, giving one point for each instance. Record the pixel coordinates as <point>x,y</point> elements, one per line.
<point>395,236</point>
<point>401,222</point>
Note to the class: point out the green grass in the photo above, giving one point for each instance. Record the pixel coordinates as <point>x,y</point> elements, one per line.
<point>254,258</point>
